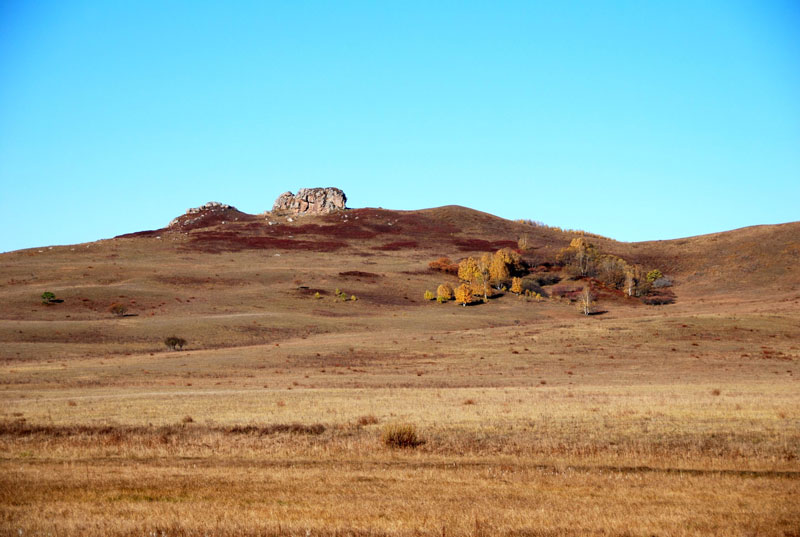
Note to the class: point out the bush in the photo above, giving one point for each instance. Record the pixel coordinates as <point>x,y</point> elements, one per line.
<point>544,278</point>
<point>118,309</point>
<point>529,284</point>
<point>658,300</point>
<point>444,292</point>
<point>369,419</point>
<point>444,264</point>
<point>174,342</point>
<point>429,295</point>
<point>400,435</point>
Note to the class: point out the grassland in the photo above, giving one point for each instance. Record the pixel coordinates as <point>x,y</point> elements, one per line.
<point>672,420</point>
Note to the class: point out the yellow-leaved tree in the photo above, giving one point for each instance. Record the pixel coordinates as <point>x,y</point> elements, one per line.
<point>463,294</point>
<point>516,285</point>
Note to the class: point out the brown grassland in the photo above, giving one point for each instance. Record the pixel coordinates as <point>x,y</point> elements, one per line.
<point>531,419</point>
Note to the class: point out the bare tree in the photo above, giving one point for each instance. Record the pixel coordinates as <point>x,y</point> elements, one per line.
<point>586,300</point>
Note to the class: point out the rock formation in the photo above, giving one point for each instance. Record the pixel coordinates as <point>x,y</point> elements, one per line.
<point>208,214</point>
<point>310,201</point>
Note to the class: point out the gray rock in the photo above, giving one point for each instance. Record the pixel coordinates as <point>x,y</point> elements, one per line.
<point>310,201</point>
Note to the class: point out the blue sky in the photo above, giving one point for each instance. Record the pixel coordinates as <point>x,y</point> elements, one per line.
<point>635,120</point>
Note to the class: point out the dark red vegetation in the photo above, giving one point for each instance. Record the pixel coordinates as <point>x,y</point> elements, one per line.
<point>230,241</point>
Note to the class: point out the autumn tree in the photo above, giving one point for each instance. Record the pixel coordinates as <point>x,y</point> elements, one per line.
<point>463,294</point>
<point>579,257</point>
<point>476,273</point>
<point>516,285</point>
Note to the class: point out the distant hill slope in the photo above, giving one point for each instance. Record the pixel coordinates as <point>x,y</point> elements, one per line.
<point>748,259</point>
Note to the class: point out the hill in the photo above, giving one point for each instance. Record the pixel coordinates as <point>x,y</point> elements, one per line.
<point>273,419</point>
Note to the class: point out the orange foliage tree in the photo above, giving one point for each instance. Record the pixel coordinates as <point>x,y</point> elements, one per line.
<point>463,294</point>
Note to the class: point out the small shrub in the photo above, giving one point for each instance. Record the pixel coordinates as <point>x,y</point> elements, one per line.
<point>174,342</point>
<point>400,435</point>
<point>653,275</point>
<point>118,309</point>
<point>187,419</point>
<point>429,295</point>
<point>353,298</point>
<point>715,392</point>
<point>468,402</point>
<point>48,297</point>
<point>367,420</point>
<point>317,295</point>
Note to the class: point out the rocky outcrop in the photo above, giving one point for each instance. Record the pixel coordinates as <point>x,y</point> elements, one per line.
<point>211,213</point>
<point>310,201</point>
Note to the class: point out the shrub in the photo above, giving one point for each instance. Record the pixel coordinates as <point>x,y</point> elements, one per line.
<point>118,309</point>
<point>531,285</point>
<point>317,295</point>
<point>653,275</point>
<point>544,278</point>
<point>174,342</point>
<point>444,264</point>
<point>658,300</point>
<point>353,298</point>
<point>444,292</point>
<point>48,297</point>
<point>367,420</point>
<point>429,295</point>
<point>400,435</point>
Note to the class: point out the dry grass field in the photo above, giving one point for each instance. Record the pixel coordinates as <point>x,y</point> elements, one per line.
<point>530,419</point>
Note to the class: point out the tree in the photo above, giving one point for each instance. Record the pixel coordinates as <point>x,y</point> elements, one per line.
<point>586,300</point>
<point>579,257</point>
<point>463,294</point>
<point>48,297</point>
<point>174,342</point>
<point>505,263</point>
<point>653,275</point>
<point>516,285</point>
<point>429,295</point>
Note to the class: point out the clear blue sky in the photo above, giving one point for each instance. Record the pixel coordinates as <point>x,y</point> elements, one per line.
<point>636,120</point>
